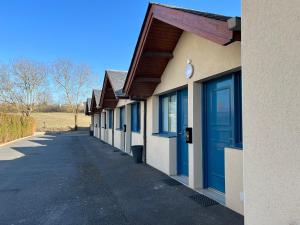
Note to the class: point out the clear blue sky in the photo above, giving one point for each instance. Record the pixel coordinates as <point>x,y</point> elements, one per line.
<point>99,33</point>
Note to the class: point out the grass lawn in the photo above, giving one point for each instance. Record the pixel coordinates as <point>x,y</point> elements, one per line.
<point>59,121</point>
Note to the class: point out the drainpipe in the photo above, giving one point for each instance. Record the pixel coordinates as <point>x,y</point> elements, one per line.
<point>145,131</point>
<point>113,128</point>
<point>100,127</point>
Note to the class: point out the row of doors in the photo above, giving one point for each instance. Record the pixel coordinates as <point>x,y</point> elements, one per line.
<point>221,115</point>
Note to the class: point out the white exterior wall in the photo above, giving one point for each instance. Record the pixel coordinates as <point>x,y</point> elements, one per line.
<point>131,138</point>
<point>234,179</point>
<point>96,125</point>
<point>104,133</point>
<point>271,95</point>
<point>109,136</point>
<point>209,60</point>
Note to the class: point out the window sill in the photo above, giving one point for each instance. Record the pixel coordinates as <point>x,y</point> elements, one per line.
<point>137,132</point>
<point>119,129</point>
<point>236,147</point>
<point>165,135</point>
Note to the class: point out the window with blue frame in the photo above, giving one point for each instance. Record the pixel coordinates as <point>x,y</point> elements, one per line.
<point>135,117</point>
<point>110,119</point>
<point>168,113</point>
<point>122,117</point>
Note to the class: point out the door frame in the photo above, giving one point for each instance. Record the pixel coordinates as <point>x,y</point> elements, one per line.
<point>236,119</point>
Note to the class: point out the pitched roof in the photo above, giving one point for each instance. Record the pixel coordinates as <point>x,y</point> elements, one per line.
<point>97,94</point>
<point>89,103</point>
<point>196,12</point>
<point>117,79</point>
<point>112,88</point>
<point>160,32</point>
<point>87,107</point>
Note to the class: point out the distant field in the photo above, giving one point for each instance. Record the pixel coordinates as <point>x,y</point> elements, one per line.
<point>59,121</point>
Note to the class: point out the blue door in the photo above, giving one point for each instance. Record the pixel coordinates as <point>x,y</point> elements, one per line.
<point>182,123</point>
<point>218,128</point>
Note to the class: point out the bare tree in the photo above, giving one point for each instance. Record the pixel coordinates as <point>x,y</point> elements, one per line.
<point>73,80</point>
<point>20,84</point>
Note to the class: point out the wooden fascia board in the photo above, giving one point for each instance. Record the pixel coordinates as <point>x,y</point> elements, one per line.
<point>211,29</point>
<point>139,49</point>
<point>103,91</point>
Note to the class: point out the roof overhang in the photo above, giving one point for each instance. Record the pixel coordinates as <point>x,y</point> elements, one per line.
<point>94,107</point>
<point>108,98</point>
<point>159,35</point>
<point>87,110</point>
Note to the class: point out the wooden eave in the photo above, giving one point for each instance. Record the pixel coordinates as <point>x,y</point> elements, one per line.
<point>94,107</point>
<point>161,30</point>
<point>108,98</point>
<point>86,109</point>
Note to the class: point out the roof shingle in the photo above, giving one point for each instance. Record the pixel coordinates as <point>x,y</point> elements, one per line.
<point>117,79</point>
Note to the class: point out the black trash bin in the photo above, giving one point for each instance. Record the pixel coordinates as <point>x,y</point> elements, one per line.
<point>91,133</point>
<point>137,152</point>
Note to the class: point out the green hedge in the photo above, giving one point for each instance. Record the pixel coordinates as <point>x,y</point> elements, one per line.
<point>15,126</point>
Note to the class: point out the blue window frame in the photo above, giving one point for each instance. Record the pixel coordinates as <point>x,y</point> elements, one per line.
<point>238,133</point>
<point>110,119</point>
<point>168,113</point>
<point>135,117</point>
<point>122,117</point>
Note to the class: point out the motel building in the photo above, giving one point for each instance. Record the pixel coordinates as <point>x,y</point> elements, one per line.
<point>96,110</point>
<point>88,112</point>
<point>121,117</point>
<point>187,68</point>
<point>203,120</point>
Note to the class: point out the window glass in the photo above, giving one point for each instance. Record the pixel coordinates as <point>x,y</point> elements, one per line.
<point>110,119</point>
<point>172,113</point>
<point>168,113</point>
<point>122,117</point>
<point>135,117</point>
<point>165,106</point>
<point>103,120</point>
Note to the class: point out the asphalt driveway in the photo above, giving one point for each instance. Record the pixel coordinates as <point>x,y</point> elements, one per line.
<point>76,179</point>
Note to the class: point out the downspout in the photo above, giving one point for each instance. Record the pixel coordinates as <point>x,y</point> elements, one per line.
<point>113,128</point>
<point>145,131</point>
<point>100,127</point>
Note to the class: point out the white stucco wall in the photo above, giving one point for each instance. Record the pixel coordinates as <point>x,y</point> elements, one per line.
<point>96,125</point>
<point>117,139</point>
<point>271,101</point>
<point>234,196</point>
<point>129,138</point>
<point>109,136</point>
<point>160,152</point>
<point>120,138</point>
<point>137,138</point>
<point>209,60</point>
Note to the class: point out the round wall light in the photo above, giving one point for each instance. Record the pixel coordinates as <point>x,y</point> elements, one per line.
<point>189,69</point>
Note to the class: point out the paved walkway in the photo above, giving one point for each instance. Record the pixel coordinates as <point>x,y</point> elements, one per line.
<point>76,179</point>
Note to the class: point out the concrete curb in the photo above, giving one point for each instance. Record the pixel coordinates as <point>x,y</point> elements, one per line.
<point>19,139</point>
